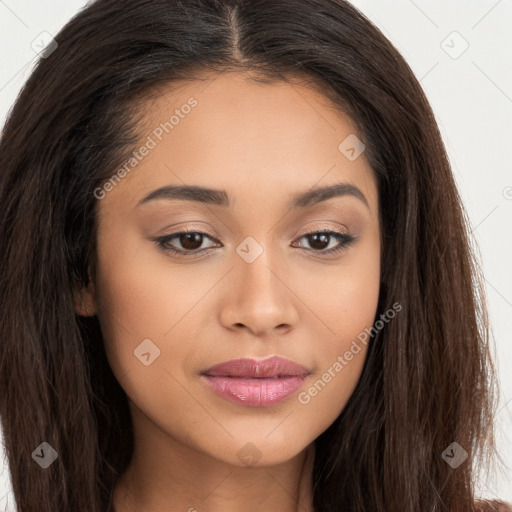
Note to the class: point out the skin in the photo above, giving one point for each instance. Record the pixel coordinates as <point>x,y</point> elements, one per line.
<point>262,144</point>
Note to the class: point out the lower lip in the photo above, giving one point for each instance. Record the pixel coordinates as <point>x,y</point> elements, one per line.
<point>254,392</point>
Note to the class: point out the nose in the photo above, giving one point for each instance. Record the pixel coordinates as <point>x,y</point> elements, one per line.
<point>260,299</point>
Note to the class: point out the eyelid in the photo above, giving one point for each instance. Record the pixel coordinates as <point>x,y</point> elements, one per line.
<point>316,229</point>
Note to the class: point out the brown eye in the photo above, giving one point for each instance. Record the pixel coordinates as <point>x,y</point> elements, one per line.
<point>190,242</point>
<point>319,241</point>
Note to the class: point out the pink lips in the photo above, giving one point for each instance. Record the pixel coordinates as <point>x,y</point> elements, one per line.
<point>256,383</point>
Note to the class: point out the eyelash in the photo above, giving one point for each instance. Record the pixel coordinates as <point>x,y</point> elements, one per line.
<point>162,242</point>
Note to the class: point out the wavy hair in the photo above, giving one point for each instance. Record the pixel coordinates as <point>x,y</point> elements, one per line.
<point>72,125</point>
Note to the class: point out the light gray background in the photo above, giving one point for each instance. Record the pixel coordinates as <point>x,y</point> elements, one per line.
<point>471,94</point>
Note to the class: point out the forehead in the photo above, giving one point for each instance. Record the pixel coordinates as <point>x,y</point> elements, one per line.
<point>278,110</point>
<point>250,138</point>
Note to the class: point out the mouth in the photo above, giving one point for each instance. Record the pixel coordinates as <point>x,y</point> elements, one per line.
<point>256,383</point>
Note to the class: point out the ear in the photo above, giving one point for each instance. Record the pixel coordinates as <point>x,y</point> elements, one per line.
<point>85,299</point>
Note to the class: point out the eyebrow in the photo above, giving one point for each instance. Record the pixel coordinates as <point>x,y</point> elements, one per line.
<point>221,198</point>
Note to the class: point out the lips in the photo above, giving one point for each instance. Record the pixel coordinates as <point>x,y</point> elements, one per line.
<point>256,383</point>
<point>250,368</point>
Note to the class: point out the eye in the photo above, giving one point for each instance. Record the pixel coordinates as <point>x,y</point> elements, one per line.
<point>192,240</point>
<point>321,239</point>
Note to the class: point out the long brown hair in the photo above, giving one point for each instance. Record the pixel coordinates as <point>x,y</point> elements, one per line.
<point>428,379</point>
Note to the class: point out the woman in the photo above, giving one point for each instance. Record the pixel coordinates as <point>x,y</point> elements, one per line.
<point>308,356</point>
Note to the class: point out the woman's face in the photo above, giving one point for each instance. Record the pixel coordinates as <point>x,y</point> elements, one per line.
<point>256,277</point>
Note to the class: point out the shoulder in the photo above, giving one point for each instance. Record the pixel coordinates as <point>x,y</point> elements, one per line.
<point>493,506</point>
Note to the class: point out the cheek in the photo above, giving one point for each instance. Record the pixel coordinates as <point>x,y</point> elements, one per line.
<point>346,296</point>
<point>349,306</point>
<point>352,305</point>
<point>146,305</point>
<point>132,297</point>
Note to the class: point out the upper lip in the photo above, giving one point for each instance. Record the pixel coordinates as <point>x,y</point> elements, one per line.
<point>251,368</point>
